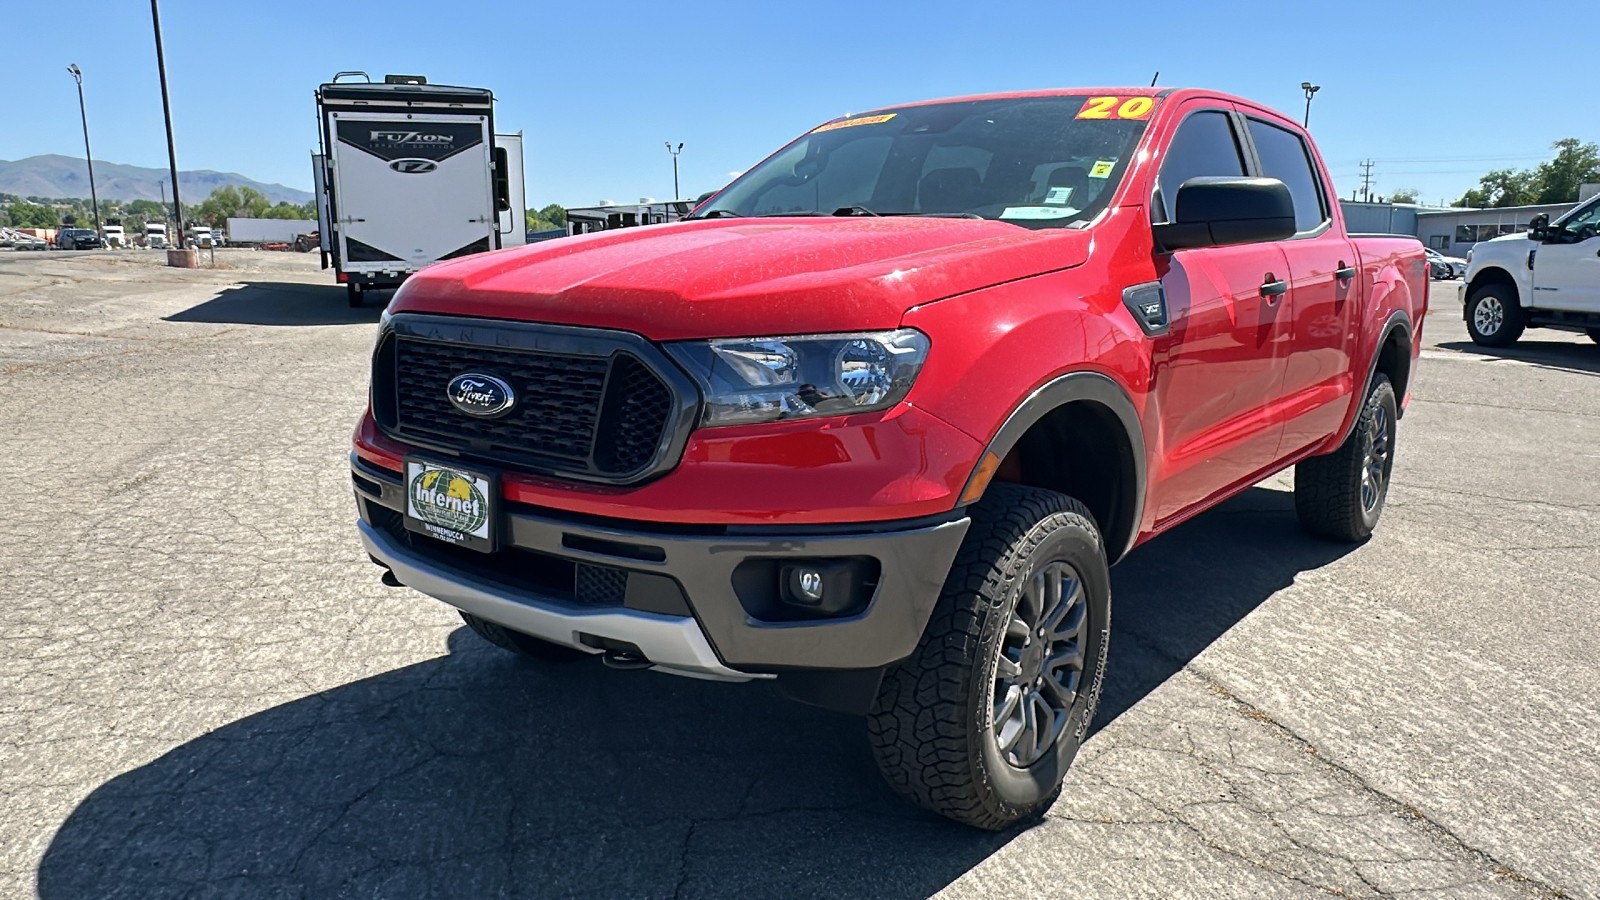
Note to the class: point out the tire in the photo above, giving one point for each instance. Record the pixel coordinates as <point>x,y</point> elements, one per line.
<point>1594,334</point>
<point>932,725</point>
<point>1340,496</point>
<point>1494,317</point>
<point>353,294</point>
<point>519,643</point>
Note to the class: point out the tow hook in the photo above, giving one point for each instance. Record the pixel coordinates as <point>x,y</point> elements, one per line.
<point>622,659</point>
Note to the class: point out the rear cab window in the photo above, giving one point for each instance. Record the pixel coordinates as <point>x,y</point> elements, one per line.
<point>1284,156</point>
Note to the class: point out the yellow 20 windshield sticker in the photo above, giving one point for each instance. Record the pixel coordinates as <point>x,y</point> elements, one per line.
<point>860,120</point>
<point>1135,108</point>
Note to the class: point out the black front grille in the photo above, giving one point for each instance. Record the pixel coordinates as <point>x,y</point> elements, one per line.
<point>602,414</point>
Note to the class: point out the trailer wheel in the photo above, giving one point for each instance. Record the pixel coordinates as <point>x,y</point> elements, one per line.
<point>353,293</point>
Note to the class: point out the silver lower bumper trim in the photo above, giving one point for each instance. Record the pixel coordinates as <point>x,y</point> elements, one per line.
<point>675,644</point>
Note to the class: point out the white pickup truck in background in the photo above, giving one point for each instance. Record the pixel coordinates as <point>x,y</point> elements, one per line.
<point>1547,277</point>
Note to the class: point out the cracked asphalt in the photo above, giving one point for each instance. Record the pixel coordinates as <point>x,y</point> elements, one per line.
<point>205,691</point>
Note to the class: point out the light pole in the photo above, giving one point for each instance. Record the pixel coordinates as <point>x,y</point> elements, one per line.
<point>1310,89</point>
<point>88,157</point>
<point>166,110</point>
<point>674,166</point>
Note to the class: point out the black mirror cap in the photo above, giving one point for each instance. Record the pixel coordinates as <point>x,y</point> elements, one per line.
<point>1217,211</point>
<point>1539,227</point>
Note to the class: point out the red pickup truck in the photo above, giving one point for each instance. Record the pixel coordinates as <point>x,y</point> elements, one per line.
<point>876,419</point>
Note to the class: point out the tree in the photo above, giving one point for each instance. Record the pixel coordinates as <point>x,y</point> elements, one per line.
<point>554,214</point>
<point>1404,195</point>
<point>30,215</point>
<point>1503,187</point>
<point>1553,181</point>
<point>1575,164</point>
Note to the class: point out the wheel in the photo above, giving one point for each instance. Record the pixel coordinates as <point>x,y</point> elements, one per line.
<point>1594,334</point>
<point>982,721</point>
<point>519,643</point>
<point>1494,317</point>
<point>353,293</point>
<point>1340,496</point>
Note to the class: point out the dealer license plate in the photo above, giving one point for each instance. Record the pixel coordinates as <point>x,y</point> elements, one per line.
<point>453,504</point>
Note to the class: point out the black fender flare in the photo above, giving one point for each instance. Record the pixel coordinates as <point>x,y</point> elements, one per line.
<point>1068,388</point>
<point>1397,321</point>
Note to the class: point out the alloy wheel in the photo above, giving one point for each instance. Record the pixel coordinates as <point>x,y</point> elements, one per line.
<point>1375,462</point>
<point>1040,666</point>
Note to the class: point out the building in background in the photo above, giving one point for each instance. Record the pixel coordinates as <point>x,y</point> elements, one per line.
<point>1451,230</point>
<point>606,216</point>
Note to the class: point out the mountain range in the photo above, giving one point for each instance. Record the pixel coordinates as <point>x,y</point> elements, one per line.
<point>56,176</point>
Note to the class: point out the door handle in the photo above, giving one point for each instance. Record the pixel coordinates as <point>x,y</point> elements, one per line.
<point>1344,272</point>
<point>1272,290</point>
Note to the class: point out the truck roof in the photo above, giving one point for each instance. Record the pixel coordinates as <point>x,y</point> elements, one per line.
<point>1172,93</point>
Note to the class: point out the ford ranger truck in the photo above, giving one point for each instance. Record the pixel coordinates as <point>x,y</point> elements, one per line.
<point>1547,277</point>
<point>875,420</point>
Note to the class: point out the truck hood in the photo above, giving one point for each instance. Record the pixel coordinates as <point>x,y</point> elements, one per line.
<point>743,277</point>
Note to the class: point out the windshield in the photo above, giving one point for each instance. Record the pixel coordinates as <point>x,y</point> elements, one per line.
<point>1037,162</point>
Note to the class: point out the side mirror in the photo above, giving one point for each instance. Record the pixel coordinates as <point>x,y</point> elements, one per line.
<point>1539,227</point>
<point>1217,211</point>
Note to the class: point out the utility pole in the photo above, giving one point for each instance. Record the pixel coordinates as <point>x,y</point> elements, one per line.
<point>675,153</point>
<point>88,157</point>
<point>1366,180</point>
<point>166,110</point>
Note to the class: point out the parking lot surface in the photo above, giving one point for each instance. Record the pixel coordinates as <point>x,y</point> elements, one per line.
<point>206,691</point>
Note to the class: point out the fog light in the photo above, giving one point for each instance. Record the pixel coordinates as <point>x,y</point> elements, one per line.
<point>809,582</point>
<point>827,587</point>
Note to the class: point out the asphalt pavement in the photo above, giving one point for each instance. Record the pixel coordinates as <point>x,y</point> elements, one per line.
<point>206,691</point>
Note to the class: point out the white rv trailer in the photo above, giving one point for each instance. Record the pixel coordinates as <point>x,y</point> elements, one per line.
<point>409,174</point>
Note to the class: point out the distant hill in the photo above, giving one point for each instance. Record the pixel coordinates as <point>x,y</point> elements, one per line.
<point>53,175</point>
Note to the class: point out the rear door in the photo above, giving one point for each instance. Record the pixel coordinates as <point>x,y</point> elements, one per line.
<point>1220,366</point>
<point>1566,271</point>
<point>1324,293</point>
<point>410,190</point>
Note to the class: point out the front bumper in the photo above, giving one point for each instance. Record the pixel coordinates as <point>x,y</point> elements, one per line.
<point>684,595</point>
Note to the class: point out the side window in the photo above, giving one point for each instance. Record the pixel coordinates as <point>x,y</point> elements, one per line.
<point>1283,156</point>
<point>1204,145</point>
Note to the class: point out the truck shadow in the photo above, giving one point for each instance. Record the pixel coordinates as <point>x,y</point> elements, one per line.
<point>476,775</point>
<point>282,303</point>
<point>1582,357</point>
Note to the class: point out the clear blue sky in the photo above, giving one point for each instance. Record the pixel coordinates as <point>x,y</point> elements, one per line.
<point>1436,93</point>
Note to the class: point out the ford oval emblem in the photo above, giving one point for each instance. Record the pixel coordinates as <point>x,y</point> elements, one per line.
<point>484,396</point>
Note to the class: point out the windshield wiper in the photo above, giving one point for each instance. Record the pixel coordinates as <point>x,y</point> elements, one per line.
<point>719,214</point>
<point>935,215</point>
<point>853,211</point>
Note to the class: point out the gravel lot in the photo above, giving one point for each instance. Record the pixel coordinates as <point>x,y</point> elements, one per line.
<point>206,691</point>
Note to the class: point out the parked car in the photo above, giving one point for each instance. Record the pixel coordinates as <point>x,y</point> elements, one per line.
<point>25,242</point>
<point>1546,277</point>
<point>876,419</point>
<point>78,239</point>
<point>1441,266</point>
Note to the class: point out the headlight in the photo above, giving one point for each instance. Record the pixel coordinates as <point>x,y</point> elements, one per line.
<point>769,378</point>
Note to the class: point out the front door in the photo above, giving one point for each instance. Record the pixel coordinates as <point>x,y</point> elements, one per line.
<point>1220,366</point>
<point>1566,269</point>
